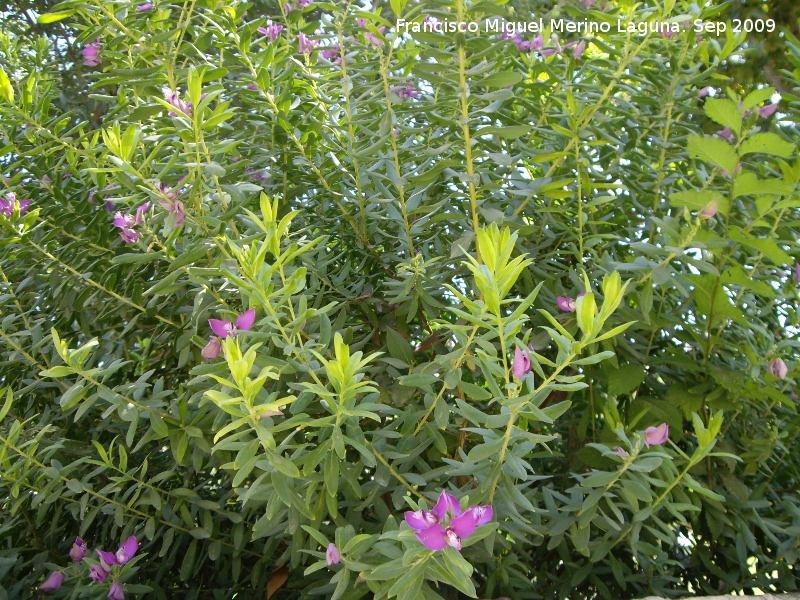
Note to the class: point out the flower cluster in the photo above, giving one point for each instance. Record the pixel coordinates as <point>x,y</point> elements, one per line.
<point>405,91</point>
<point>537,43</point>
<point>127,222</point>
<point>169,202</point>
<point>10,201</point>
<point>272,31</point>
<point>445,524</point>
<point>98,572</point>
<point>225,329</point>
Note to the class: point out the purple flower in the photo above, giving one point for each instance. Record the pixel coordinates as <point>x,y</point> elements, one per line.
<point>710,209</point>
<point>182,106</point>
<point>144,7</point>
<point>90,54</point>
<point>579,49</point>
<point>797,272</point>
<point>212,349</point>
<point>332,555</point>
<point>117,591</point>
<point>725,134</point>
<point>431,531</point>
<point>704,92</point>
<point>124,220</point>
<point>98,573</point>
<point>52,583</point>
<point>303,3</point>
<point>778,368</point>
<point>227,329</point>
<point>287,8</point>
<point>330,53</point>
<point>79,550</point>
<point>305,45</point>
<point>271,31</point>
<point>523,45</point>
<point>565,304</point>
<point>768,110</point>
<point>655,436</point>
<point>131,236</point>
<point>8,204</point>
<point>549,51</point>
<point>124,553</point>
<point>521,365</point>
<point>45,181</point>
<point>405,91</point>
<point>374,39</point>
<point>361,22</point>
<point>621,451</point>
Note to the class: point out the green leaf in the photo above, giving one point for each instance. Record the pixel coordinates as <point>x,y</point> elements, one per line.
<point>397,6</point>
<point>696,200</point>
<point>6,90</point>
<point>501,80</point>
<point>507,133</point>
<point>746,184</point>
<point>767,143</point>
<point>54,17</point>
<point>399,347</point>
<point>767,246</point>
<point>757,97</point>
<point>713,150</point>
<point>724,112</point>
<point>418,380</point>
<point>625,379</point>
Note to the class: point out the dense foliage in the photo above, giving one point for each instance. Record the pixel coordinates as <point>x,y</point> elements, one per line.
<point>267,283</point>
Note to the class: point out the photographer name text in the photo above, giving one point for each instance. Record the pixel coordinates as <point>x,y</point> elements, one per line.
<point>539,26</point>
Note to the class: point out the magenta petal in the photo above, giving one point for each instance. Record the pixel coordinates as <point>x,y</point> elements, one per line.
<point>420,519</point>
<point>180,213</point>
<point>440,509</point>
<point>98,573</point>
<point>768,110</point>
<point>433,538</point>
<point>332,555</point>
<point>221,328</point>
<point>565,304</point>
<point>212,349</point>
<point>655,436</point>
<point>107,557</point>
<point>127,550</point>
<point>483,514</point>
<point>140,213</point>
<point>246,320</point>
<point>521,364</point>
<point>117,591</point>
<point>53,582</point>
<point>465,524</point>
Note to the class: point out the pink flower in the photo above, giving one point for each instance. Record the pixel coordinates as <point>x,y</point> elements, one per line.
<point>287,8</point>
<point>565,304</point>
<point>330,53</point>
<point>768,110</point>
<point>182,106</point>
<point>332,556</point>
<point>361,22</point>
<point>430,529</point>
<point>778,368</point>
<point>405,91</point>
<point>144,7</point>
<point>98,573</point>
<point>271,31</point>
<point>655,436</point>
<point>303,3</point>
<point>90,54</point>
<point>212,349</point>
<point>79,550</point>
<point>549,51</point>
<point>52,583</point>
<point>124,553</point>
<point>131,236</point>
<point>521,365</point>
<point>704,92</point>
<point>270,413</point>
<point>374,39</point>
<point>710,209</point>
<point>579,49</point>
<point>621,451</point>
<point>227,329</point>
<point>305,45</point>
<point>725,134</point>
<point>117,591</point>
<point>797,272</point>
<point>8,204</point>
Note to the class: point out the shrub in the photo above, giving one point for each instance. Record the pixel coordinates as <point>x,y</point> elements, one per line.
<point>310,306</point>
